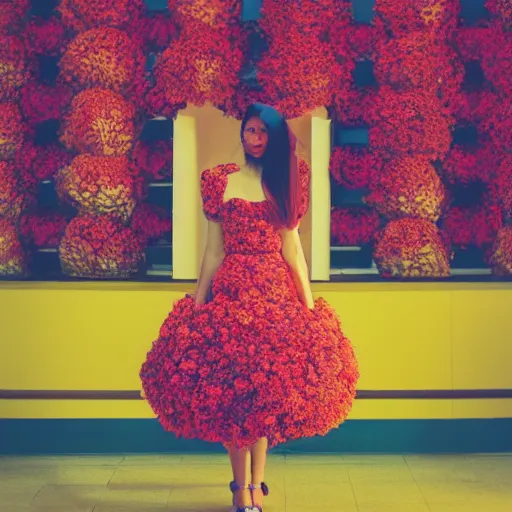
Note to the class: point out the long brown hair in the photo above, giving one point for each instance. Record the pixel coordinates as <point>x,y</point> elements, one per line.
<point>279,170</point>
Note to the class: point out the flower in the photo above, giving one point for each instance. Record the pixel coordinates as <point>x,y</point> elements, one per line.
<point>44,230</point>
<point>403,16</point>
<point>408,187</point>
<point>11,194</point>
<point>41,102</point>
<point>99,248</point>
<point>45,37</point>
<point>354,168</point>
<point>11,130</point>
<point>150,222</point>
<point>103,57</point>
<point>12,15</point>
<point>419,60</point>
<point>99,185</point>
<point>155,158</point>
<point>498,125</point>
<point>411,122</point>
<point>502,9</point>
<point>12,257</point>
<point>42,162</point>
<point>13,70</point>
<point>199,67</point>
<point>496,59</point>
<point>468,166</point>
<point>501,186</point>
<point>356,107</point>
<point>501,258</point>
<point>215,14</point>
<point>100,122</point>
<point>81,15</point>
<point>353,226</point>
<point>409,248</point>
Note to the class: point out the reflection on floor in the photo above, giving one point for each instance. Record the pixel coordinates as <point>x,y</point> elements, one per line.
<point>298,483</point>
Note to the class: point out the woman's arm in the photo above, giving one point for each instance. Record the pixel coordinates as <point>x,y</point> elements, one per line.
<point>212,258</point>
<point>294,255</point>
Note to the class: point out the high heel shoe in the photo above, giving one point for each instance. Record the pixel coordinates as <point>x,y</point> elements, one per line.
<point>233,486</point>
<point>264,488</point>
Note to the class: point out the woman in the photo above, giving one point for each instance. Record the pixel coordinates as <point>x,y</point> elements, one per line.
<point>251,360</point>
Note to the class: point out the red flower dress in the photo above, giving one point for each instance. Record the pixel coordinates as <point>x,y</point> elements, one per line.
<point>254,361</point>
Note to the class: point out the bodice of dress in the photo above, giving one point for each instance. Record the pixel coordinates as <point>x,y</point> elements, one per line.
<point>245,224</point>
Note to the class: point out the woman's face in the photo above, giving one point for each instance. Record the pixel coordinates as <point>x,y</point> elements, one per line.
<point>255,137</point>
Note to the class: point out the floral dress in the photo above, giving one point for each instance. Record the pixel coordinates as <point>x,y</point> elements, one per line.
<point>254,361</point>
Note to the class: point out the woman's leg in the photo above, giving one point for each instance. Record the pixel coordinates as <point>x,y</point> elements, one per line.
<point>258,460</point>
<point>241,466</point>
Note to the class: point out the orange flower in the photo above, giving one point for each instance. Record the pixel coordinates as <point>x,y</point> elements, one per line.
<point>103,57</point>
<point>216,14</point>
<point>13,71</point>
<point>99,248</point>
<point>100,122</point>
<point>408,187</point>
<point>11,196</point>
<point>410,248</point>
<point>11,130</point>
<point>12,257</point>
<point>501,258</point>
<point>99,185</point>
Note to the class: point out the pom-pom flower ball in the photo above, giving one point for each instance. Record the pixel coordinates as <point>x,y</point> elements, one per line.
<point>501,258</point>
<point>11,130</point>
<point>99,248</point>
<point>11,194</point>
<point>12,257</point>
<point>13,72</point>
<point>100,122</point>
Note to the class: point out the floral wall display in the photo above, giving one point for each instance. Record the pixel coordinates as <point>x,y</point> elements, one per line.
<point>419,96</point>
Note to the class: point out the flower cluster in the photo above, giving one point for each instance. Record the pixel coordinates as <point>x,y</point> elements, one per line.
<point>103,57</point>
<point>362,40</point>
<point>353,226</point>
<point>150,222</point>
<point>42,162</point>
<point>354,168</point>
<point>419,60</point>
<point>157,32</point>
<point>411,248</point>
<point>498,125</point>
<point>99,248</point>
<point>43,230</point>
<point>474,107</point>
<point>154,158</point>
<point>502,9</point>
<point>12,15</point>
<point>81,15</point>
<point>41,102</point>
<point>497,59</point>
<point>101,122</point>
<point>468,166</point>
<point>45,37</point>
<point>475,226</point>
<point>11,130</point>
<point>501,187</point>
<point>99,185</point>
<point>12,256</point>
<point>216,14</point>
<point>198,67</point>
<point>408,187</point>
<point>412,121</point>
<point>501,258</point>
<point>13,67</point>
<point>404,16</point>
<point>354,107</point>
<point>11,194</point>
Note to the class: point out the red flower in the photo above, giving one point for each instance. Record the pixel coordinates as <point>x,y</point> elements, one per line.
<point>150,222</point>
<point>45,37</point>
<point>353,107</point>
<point>498,125</point>
<point>497,59</point>
<point>12,198</point>
<point>501,186</point>
<point>43,230</point>
<point>99,248</point>
<point>468,166</point>
<point>501,258</point>
<point>419,60</point>
<point>408,187</point>
<point>403,16</point>
<point>103,57</point>
<point>216,14</point>
<point>198,67</point>
<point>362,40</point>
<point>82,15</point>
<point>99,185</point>
<point>12,15</point>
<point>12,257</point>
<point>156,32</point>
<point>11,130</point>
<point>473,226</point>
<point>13,70</point>
<point>474,107</point>
<point>354,168</point>
<point>353,226</point>
<point>502,9</point>
<point>40,102</point>
<point>154,158</point>
<point>101,122</point>
<point>411,121</point>
<point>42,162</point>
<point>411,248</point>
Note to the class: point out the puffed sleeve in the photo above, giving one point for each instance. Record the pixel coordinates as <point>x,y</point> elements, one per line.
<point>212,191</point>
<point>304,178</point>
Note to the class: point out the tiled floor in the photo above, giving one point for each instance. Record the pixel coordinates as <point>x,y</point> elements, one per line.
<point>298,483</point>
